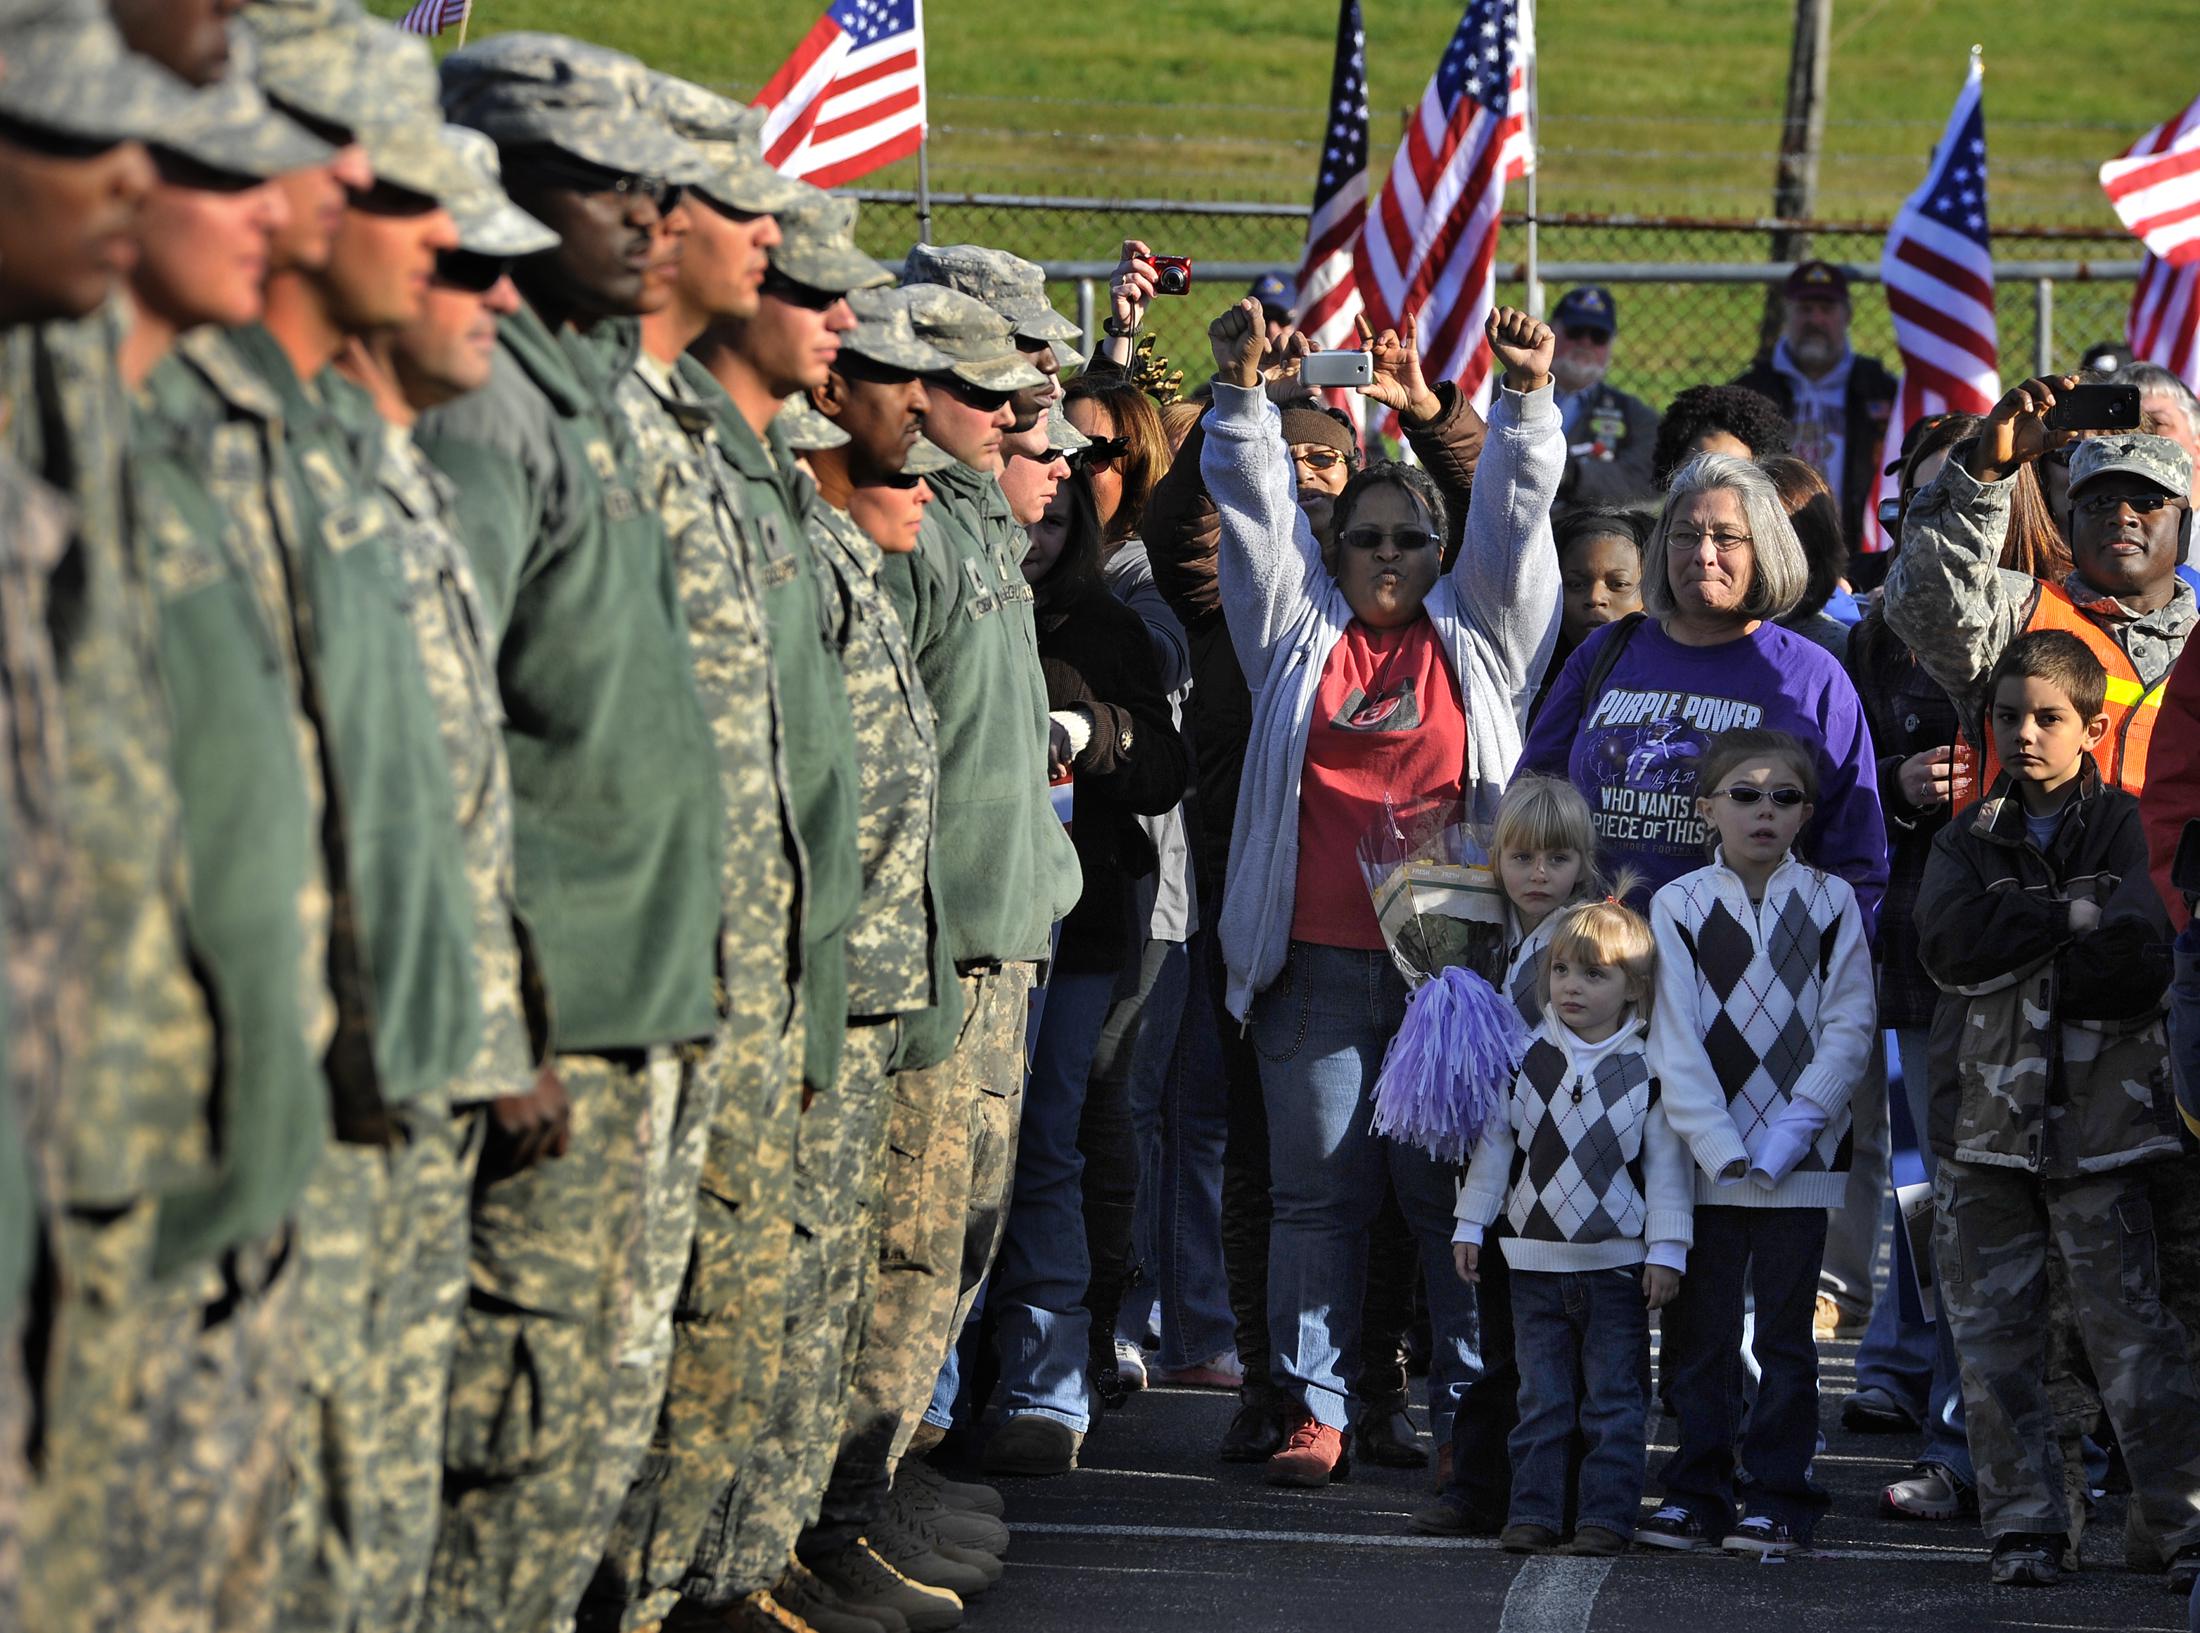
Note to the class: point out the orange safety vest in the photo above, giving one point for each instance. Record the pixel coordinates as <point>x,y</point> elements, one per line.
<point>2131,706</point>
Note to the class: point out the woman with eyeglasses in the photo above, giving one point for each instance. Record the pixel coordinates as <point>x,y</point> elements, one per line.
<point>1637,703</point>
<point>1390,685</point>
<point>1115,741</point>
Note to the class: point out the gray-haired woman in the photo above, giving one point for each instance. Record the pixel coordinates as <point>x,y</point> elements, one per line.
<point>1635,705</point>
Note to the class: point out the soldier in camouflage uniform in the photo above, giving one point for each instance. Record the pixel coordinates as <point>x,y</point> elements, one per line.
<point>617,827</point>
<point>200,1475</point>
<point>1017,290</point>
<point>721,1287</point>
<point>509,1098</point>
<point>2050,1045</point>
<point>135,1083</point>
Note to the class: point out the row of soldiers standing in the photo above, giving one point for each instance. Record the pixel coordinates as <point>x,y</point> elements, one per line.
<point>520,903</point>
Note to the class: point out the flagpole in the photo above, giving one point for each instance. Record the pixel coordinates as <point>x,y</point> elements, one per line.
<point>1535,166</point>
<point>465,16</point>
<point>924,147</point>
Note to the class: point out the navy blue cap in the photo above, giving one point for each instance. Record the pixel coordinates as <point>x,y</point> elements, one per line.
<point>1274,290</point>
<point>1588,307</point>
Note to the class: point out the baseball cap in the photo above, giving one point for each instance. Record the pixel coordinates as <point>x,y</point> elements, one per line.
<point>309,56</point>
<point>64,68</point>
<point>403,135</point>
<point>884,335</point>
<point>1012,286</point>
<point>1816,280</point>
<point>805,429</point>
<point>529,89</point>
<point>817,244</point>
<point>1063,437</point>
<point>232,128</point>
<point>2153,459</point>
<point>1589,307</point>
<point>489,223</point>
<point>1276,294</point>
<point>927,458</point>
<point>726,135</point>
<point>980,346</point>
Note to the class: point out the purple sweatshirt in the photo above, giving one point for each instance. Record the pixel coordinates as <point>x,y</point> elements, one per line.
<point>1632,749</point>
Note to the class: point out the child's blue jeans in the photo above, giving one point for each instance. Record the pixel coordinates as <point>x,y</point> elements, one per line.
<point>1582,1342</point>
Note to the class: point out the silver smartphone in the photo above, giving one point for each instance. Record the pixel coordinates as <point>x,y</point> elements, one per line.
<point>1328,369</point>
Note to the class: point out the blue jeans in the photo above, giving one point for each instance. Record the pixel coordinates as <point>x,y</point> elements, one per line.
<point>1037,1287</point>
<point>1582,1342</point>
<point>1775,1253</point>
<point>1320,1031</point>
<point>1179,1112</point>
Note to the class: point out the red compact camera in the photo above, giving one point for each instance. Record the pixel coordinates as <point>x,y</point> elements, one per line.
<point>1172,274</point>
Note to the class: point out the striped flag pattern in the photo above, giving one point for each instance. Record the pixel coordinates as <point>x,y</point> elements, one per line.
<point>2154,186</point>
<point>1430,244</point>
<point>1329,289</point>
<point>1938,267</point>
<point>851,98</point>
<point>434,16</point>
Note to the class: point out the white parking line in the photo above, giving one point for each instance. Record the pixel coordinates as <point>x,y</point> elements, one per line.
<point>1553,1596</point>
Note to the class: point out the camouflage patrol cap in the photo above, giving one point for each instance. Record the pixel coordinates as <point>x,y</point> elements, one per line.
<point>979,345</point>
<point>817,245</point>
<point>884,335</point>
<point>1063,437</point>
<point>526,89</point>
<point>1011,285</point>
<point>2155,459</point>
<point>403,135</point>
<point>805,429</point>
<point>307,56</point>
<point>725,133</point>
<point>927,458</point>
<point>231,127</point>
<point>489,223</point>
<point>64,68</point>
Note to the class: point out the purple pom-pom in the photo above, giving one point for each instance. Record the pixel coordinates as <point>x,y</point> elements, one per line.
<point>1451,1065</point>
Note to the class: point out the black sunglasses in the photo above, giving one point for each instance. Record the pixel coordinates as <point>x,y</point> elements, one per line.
<point>550,168</point>
<point>1580,334</point>
<point>1101,451</point>
<point>474,274</point>
<point>986,402</point>
<point>1744,795</point>
<point>1374,538</point>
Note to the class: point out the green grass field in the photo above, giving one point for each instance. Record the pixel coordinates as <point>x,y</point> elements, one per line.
<point>1649,105</point>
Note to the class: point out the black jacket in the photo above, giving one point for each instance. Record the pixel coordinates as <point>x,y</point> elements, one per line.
<point>1095,655</point>
<point>1608,450</point>
<point>1864,429</point>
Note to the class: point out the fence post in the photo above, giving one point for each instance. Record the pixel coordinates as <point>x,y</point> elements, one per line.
<point>1084,311</point>
<point>2043,324</point>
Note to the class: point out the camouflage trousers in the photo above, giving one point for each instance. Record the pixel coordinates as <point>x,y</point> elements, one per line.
<point>951,1159</point>
<point>830,1276</point>
<point>556,1368</point>
<point>95,1331</point>
<point>726,1333</point>
<point>1995,1231</point>
<point>15,1470</point>
<point>195,1523</point>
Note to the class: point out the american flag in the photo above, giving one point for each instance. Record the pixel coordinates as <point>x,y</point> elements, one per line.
<point>1329,291</point>
<point>851,98</point>
<point>2155,188</point>
<point>1430,244</point>
<point>1938,268</point>
<point>434,16</point>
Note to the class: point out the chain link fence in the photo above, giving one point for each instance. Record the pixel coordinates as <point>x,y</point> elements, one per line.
<point>1690,292</point>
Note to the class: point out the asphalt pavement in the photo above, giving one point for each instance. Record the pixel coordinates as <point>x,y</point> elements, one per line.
<point>1154,1532</point>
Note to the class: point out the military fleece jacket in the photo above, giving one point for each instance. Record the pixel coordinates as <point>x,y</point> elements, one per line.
<point>2048,1046</point>
<point>614,775</point>
<point>1002,864</point>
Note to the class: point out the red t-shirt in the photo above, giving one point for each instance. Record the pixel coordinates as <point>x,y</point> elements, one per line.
<point>1387,719</point>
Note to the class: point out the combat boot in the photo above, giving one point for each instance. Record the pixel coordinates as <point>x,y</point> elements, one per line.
<point>910,1552</point>
<point>863,1581</point>
<point>968,1495</point>
<point>804,1595</point>
<point>759,1612</point>
<point>915,1499</point>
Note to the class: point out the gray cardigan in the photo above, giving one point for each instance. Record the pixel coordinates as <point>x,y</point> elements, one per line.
<point>1496,613</point>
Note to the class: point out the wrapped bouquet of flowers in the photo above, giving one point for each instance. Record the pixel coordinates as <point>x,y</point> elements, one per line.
<point>1442,915</point>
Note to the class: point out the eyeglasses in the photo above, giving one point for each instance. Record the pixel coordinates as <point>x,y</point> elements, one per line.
<point>1687,541</point>
<point>807,296</point>
<point>2143,504</point>
<point>474,274</point>
<point>1584,336</point>
<point>1318,459</point>
<point>1374,538</point>
<point>1103,451</point>
<point>1745,795</point>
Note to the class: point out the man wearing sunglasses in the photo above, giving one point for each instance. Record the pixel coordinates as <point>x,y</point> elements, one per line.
<point>1957,609</point>
<point>1017,290</point>
<point>616,825</point>
<point>1610,436</point>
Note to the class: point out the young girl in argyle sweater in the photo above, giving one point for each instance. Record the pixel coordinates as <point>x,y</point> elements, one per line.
<point>1765,1020</point>
<point>1595,1186</point>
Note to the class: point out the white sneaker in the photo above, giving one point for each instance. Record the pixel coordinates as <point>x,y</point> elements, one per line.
<point>1130,1364</point>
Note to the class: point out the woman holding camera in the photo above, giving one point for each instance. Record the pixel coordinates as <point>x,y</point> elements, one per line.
<point>1393,679</point>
